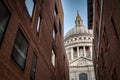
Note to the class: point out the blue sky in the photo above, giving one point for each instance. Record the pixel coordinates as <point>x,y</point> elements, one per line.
<point>70,8</point>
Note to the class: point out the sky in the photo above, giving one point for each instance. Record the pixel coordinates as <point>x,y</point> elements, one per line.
<point>70,8</point>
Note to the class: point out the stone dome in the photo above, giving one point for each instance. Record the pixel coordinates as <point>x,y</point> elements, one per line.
<point>77,31</point>
<point>79,28</point>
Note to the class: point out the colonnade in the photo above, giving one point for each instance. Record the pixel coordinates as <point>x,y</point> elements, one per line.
<point>81,51</point>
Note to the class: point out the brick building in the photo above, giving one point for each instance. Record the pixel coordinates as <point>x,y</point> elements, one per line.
<point>31,40</point>
<point>106,56</point>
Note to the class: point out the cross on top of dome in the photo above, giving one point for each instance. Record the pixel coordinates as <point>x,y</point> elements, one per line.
<point>78,21</point>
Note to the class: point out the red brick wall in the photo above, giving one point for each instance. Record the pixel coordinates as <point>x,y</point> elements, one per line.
<point>41,44</point>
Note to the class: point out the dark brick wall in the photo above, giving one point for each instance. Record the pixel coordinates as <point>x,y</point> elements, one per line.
<point>107,40</point>
<point>41,44</point>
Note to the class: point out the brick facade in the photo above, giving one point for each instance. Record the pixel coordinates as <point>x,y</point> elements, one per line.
<point>41,44</point>
<point>106,54</point>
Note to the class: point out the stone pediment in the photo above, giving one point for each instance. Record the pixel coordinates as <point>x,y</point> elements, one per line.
<point>81,61</point>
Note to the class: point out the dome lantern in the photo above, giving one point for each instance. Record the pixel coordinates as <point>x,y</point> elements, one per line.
<point>78,21</point>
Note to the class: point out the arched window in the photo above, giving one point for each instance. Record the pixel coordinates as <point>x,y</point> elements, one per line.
<point>83,76</point>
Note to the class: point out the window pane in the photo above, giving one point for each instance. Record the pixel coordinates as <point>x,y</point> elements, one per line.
<point>54,34</point>
<point>20,50</point>
<point>69,55</point>
<point>38,24</point>
<point>81,51</point>
<point>87,52</point>
<point>18,58</point>
<point>55,11</point>
<point>21,42</point>
<point>30,6</point>
<point>33,68</point>
<point>75,52</point>
<point>53,58</point>
<point>4,16</point>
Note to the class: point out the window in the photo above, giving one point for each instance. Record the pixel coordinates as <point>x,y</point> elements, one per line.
<point>60,28</point>
<point>81,51</point>
<point>33,68</point>
<point>19,52</point>
<point>69,56</point>
<point>29,6</point>
<point>87,48</point>
<point>53,58</point>
<point>4,17</point>
<point>75,38</point>
<point>54,33</point>
<point>83,76</point>
<point>75,52</point>
<point>84,37</point>
<point>38,24</point>
<point>55,11</point>
<point>67,41</point>
<point>80,38</point>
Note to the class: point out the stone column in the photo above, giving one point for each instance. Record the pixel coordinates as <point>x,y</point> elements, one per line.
<point>78,51</point>
<point>84,51</point>
<point>71,53</point>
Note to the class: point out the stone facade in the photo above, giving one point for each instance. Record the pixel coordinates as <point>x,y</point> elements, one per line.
<point>78,45</point>
<point>31,40</point>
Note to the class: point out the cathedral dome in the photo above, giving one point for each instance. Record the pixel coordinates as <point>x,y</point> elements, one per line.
<point>79,28</point>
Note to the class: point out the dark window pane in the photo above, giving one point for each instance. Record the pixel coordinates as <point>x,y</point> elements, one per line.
<point>20,50</point>
<point>75,52</point>
<point>4,16</point>
<point>18,58</point>
<point>33,68</point>
<point>55,11</point>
